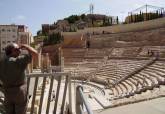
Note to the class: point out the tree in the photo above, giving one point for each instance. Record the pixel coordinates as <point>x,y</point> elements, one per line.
<point>132,18</point>
<point>140,16</point>
<point>104,21</point>
<point>117,20</point>
<point>39,32</point>
<point>83,16</point>
<point>52,39</point>
<point>161,13</point>
<point>157,14</point>
<point>73,18</point>
<point>135,17</point>
<point>151,16</point>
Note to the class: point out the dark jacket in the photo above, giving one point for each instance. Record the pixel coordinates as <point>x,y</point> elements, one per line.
<point>12,70</point>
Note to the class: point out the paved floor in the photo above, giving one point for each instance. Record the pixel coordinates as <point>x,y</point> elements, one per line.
<point>155,106</point>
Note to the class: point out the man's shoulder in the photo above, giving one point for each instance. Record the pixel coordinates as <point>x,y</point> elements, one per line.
<point>23,56</point>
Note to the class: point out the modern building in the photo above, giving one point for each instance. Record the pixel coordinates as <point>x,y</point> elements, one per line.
<point>8,34</point>
<point>14,34</point>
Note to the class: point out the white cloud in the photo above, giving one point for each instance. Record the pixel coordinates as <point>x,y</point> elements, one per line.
<point>20,17</point>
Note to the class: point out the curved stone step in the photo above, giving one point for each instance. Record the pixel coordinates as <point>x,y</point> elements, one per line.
<point>125,88</point>
<point>133,84</point>
<point>149,77</point>
<point>142,79</point>
<point>121,89</point>
<point>138,81</point>
<point>159,72</point>
<point>149,83</point>
<point>139,84</point>
<point>158,80</point>
<point>130,85</point>
<point>116,92</point>
<point>158,69</point>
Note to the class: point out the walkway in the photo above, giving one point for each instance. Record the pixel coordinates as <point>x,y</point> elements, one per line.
<point>155,106</point>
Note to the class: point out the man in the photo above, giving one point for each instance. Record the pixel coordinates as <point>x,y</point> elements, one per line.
<point>12,76</point>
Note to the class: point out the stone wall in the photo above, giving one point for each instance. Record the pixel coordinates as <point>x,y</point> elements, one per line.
<point>154,37</point>
<point>53,52</point>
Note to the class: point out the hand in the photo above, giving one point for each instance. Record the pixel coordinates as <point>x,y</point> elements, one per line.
<point>27,47</point>
<point>23,46</point>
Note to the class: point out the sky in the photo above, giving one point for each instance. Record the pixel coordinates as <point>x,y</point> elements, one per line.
<point>34,13</point>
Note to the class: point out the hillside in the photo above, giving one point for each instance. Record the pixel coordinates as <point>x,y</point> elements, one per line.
<point>141,26</point>
<point>137,34</point>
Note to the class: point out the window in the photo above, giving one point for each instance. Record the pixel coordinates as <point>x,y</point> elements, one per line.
<point>8,41</point>
<point>3,42</point>
<point>8,30</point>
<point>13,36</point>
<point>3,30</point>
<point>13,30</point>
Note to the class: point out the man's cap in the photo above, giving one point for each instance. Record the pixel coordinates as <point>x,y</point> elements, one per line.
<point>13,45</point>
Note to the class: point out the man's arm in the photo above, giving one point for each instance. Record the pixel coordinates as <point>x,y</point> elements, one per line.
<point>24,59</point>
<point>27,47</point>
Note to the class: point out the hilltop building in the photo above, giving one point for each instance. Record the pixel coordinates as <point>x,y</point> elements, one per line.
<point>60,26</point>
<point>101,20</point>
<point>90,20</point>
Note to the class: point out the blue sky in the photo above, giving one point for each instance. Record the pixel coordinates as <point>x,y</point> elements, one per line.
<point>33,13</point>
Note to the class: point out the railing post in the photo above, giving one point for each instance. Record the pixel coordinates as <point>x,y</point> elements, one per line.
<point>34,95</point>
<point>62,64</point>
<point>49,97</point>
<point>70,95</point>
<point>42,95</point>
<point>57,94</point>
<point>64,94</point>
<point>79,101</point>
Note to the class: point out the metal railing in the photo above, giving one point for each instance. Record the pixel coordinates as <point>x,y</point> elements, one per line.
<point>40,91</point>
<point>40,88</point>
<point>81,101</point>
<point>51,77</point>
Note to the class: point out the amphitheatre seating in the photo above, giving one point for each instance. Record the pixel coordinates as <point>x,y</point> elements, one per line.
<point>149,78</point>
<point>146,49</point>
<point>117,52</point>
<point>126,52</point>
<point>95,53</point>
<point>72,55</point>
<point>157,75</point>
<point>116,69</point>
<point>124,77</point>
<point>133,51</point>
<point>110,73</point>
